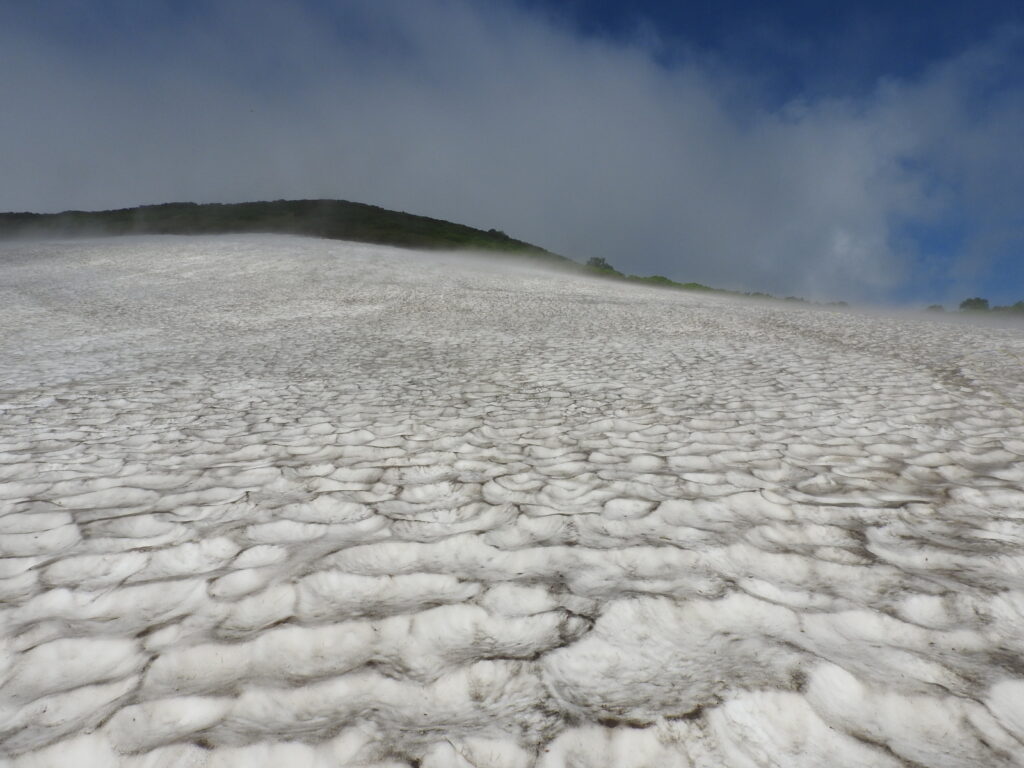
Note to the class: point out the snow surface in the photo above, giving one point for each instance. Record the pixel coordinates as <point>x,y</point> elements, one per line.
<point>270,501</point>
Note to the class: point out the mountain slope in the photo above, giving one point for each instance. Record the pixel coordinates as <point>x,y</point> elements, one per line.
<point>268,500</point>
<point>334,219</point>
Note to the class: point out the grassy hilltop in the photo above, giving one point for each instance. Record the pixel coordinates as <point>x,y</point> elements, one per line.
<point>344,220</point>
<point>334,219</point>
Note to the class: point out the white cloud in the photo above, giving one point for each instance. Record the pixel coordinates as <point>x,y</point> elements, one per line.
<point>501,118</point>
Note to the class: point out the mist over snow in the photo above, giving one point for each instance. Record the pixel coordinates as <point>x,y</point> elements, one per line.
<point>656,154</point>
<point>272,501</point>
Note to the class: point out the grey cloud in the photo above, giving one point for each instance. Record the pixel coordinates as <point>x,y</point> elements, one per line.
<point>499,118</point>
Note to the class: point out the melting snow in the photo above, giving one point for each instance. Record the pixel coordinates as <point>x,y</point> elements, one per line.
<point>273,501</point>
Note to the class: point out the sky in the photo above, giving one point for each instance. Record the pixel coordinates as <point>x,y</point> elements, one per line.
<point>861,151</point>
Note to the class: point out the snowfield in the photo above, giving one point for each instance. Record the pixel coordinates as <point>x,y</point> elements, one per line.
<point>272,501</point>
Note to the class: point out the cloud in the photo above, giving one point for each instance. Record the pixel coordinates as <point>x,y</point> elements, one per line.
<point>498,117</point>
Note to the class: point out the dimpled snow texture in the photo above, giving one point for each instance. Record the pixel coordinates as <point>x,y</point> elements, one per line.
<point>272,501</point>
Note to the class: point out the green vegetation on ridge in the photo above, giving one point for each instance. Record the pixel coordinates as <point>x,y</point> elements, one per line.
<point>599,266</point>
<point>333,219</point>
<point>978,304</point>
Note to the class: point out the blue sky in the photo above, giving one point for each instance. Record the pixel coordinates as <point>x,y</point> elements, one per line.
<point>805,46</point>
<point>866,151</point>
